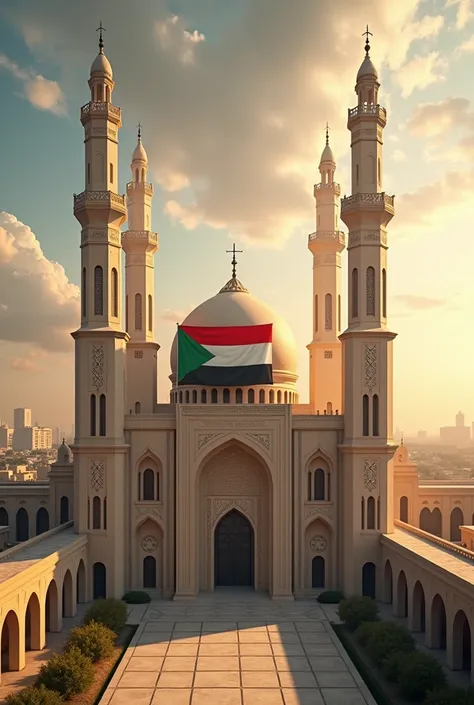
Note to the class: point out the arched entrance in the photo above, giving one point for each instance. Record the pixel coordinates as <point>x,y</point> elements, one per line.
<point>81,582</point>
<point>317,555</point>
<point>10,640</point>
<point>455,522</point>
<point>3,517</point>
<point>426,520</point>
<point>402,595</point>
<point>438,623</point>
<point>22,525</point>
<point>149,572</point>
<point>436,522</point>
<point>369,580</point>
<point>461,642</point>
<point>234,551</point>
<point>52,608</point>
<point>99,581</point>
<point>42,521</point>
<point>64,510</point>
<point>148,568</point>
<point>419,608</point>
<point>68,596</point>
<point>33,624</point>
<point>388,583</point>
<point>318,572</point>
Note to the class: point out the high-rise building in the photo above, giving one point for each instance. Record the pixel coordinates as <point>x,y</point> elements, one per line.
<point>6,437</point>
<point>459,419</point>
<point>32,438</point>
<point>21,418</point>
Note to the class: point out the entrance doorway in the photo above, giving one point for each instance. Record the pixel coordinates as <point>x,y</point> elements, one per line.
<point>233,551</point>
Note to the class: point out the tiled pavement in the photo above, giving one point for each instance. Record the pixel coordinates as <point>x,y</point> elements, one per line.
<point>235,650</point>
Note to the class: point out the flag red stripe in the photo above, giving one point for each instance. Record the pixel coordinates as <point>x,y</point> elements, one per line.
<point>230,335</point>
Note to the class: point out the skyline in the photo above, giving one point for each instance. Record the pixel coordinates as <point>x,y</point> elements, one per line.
<point>260,196</point>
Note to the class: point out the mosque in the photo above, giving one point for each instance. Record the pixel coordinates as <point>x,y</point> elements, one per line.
<point>233,486</point>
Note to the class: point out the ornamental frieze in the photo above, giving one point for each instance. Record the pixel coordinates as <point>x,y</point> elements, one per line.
<point>239,409</point>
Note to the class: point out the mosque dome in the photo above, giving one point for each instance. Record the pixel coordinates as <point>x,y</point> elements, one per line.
<point>139,153</point>
<point>64,454</point>
<point>367,69</point>
<point>235,306</point>
<point>327,155</point>
<point>101,65</point>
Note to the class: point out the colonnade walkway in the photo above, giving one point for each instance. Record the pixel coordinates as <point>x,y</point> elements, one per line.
<point>235,648</point>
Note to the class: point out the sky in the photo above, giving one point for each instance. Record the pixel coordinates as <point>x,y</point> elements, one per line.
<point>233,97</point>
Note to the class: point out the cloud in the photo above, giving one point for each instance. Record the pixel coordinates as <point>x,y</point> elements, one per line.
<point>173,316</point>
<point>419,303</point>
<point>420,72</point>
<point>466,47</point>
<point>235,120</point>
<point>464,11</point>
<point>398,155</point>
<point>39,91</point>
<point>38,304</point>
<point>434,119</point>
<point>27,363</point>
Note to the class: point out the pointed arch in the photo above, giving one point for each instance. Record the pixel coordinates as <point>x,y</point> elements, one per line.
<point>33,624</point>
<point>220,443</point>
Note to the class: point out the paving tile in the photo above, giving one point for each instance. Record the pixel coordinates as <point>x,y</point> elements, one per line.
<point>145,663</point>
<point>217,679</point>
<point>282,627</point>
<point>151,650</point>
<point>255,650</point>
<point>248,637</point>
<point>159,627</point>
<point>343,696</point>
<point>292,663</point>
<point>262,696</point>
<point>320,650</point>
<point>184,638</point>
<point>178,649</point>
<point>299,696</point>
<point>138,679</point>
<point>154,638</point>
<point>327,663</point>
<point>257,663</point>
<point>297,679</point>
<point>215,696</point>
<point>335,679</point>
<point>315,638</point>
<point>285,638</point>
<point>206,649</point>
<point>220,638</point>
<point>219,626</point>
<point>310,626</point>
<point>188,627</point>
<point>125,696</point>
<point>287,649</point>
<point>215,663</point>
<point>173,696</point>
<point>252,626</point>
<point>175,679</point>
<point>260,679</point>
<point>179,663</point>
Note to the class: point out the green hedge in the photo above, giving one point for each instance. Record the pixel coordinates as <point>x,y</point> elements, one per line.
<point>69,674</point>
<point>330,597</point>
<point>386,639</point>
<point>94,640</point>
<point>450,696</point>
<point>109,611</point>
<point>34,695</point>
<point>420,673</point>
<point>355,610</point>
<point>136,597</point>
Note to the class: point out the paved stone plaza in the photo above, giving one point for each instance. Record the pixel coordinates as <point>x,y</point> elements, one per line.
<point>235,649</point>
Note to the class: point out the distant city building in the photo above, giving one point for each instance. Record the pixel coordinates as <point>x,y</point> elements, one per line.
<point>21,418</point>
<point>6,437</point>
<point>458,435</point>
<point>18,473</point>
<point>32,438</point>
<point>459,420</point>
<point>422,435</point>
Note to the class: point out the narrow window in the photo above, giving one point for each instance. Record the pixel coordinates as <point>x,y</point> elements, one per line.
<point>203,396</point>
<point>379,170</point>
<point>98,291</point>
<point>371,513</point>
<point>84,292</point>
<point>319,485</point>
<point>137,407</point>
<point>370,291</point>
<point>250,396</point>
<point>88,513</point>
<point>102,416</point>
<point>357,174</point>
<point>214,396</point>
<point>404,509</point>
<point>195,396</point>
<point>238,396</point>
<point>149,485</point>
<point>339,317</point>
<point>126,313</point>
<point>150,312</point>
<point>157,486</point>
<point>316,313</point>
<point>88,173</point>
<point>362,514</point>
<point>105,512</point>
<point>384,293</point>
<point>114,292</point>
<point>136,175</point>
<point>378,513</point>
<point>181,397</point>
<point>139,486</point>
<point>138,312</point>
<point>310,486</point>
<point>93,415</point>
<point>143,174</point>
<point>375,415</point>
<point>355,293</point>
<point>328,312</point>
<point>329,486</point>
<point>365,415</point>
<point>279,397</point>
<point>100,94</point>
<point>285,398</point>
<point>111,173</point>
<point>187,396</point>
<point>261,396</point>
<point>226,396</point>
<point>96,513</point>
<point>271,397</point>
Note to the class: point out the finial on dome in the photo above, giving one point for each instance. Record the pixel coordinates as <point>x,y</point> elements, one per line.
<point>64,441</point>
<point>139,132</point>
<point>233,251</point>
<point>101,29</point>
<point>401,438</point>
<point>366,34</point>
<point>327,134</point>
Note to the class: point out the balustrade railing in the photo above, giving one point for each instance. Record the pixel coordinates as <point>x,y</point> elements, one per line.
<point>103,108</point>
<point>22,545</point>
<point>426,536</point>
<point>375,199</point>
<point>81,199</point>
<point>327,236</point>
<point>139,235</point>
<point>367,109</point>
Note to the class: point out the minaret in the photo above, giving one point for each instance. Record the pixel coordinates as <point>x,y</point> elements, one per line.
<point>326,244</point>
<point>140,245</point>
<point>99,447</point>
<point>367,483</point>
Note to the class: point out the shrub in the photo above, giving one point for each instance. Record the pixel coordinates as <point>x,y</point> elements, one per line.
<point>111,612</point>
<point>391,666</point>
<point>364,631</point>
<point>450,696</point>
<point>355,610</point>
<point>136,597</point>
<point>418,675</point>
<point>330,597</point>
<point>94,640</point>
<point>34,696</point>
<point>69,673</point>
<point>388,638</point>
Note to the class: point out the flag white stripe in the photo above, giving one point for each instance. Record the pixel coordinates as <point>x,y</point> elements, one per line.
<point>239,355</point>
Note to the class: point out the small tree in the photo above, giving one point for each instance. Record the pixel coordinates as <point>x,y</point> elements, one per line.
<point>34,695</point>
<point>94,640</point>
<point>420,674</point>
<point>68,674</point>
<point>109,611</point>
<point>450,696</point>
<point>355,610</point>
<point>388,638</point>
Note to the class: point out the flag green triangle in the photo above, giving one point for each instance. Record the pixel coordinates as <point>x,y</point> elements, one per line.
<point>191,355</point>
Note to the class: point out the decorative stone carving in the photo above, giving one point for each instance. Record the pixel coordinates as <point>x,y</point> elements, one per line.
<point>155,511</point>
<point>149,544</point>
<point>318,544</point>
<point>313,509</point>
<point>372,236</point>
<point>138,354</point>
<point>328,312</point>
<point>97,475</point>
<point>370,474</point>
<point>370,366</point>
<point>204,438</point>
<point>138,312</point>
<point>370,291</point>
<point>98,363</point>
<point>328,354</point>
<point>244,409</point>
<point>261,438</point>
<point>354,238</point>
<point>221,506</point>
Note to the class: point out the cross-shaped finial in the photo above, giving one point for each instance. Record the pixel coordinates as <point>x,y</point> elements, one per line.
<point>327,134</point>
<point>366,34</point>
<point>101,29</point>
<point>139,127</point>
<point>401,438</point>
<point>233,251</point>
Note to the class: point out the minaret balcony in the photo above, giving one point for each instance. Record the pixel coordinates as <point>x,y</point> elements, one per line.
<point>140,241</point>
<point>327,237</point>
<point>352,207</point>
<point>140,187</point>
<point>99,200</point>
<point>367,110</point>
<point>94,109</point>
<point>335,188</point>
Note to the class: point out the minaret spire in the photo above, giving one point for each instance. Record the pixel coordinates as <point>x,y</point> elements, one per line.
<point>366,34</point>
<point>327,134</point>
<point>101,30</point>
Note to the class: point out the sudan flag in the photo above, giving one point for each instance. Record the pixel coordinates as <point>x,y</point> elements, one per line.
<point>225,356</point>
